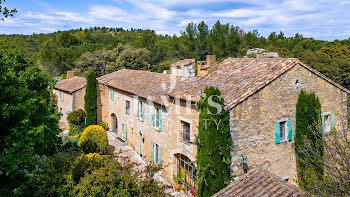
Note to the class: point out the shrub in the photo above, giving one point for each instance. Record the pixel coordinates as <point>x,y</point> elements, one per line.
<point>75,129</point>
<point>85,164</point>
<point>72,144</point>
<point>103,124</point>
<point>76,117</point>
<point>94,140</point>
<point>214,144</point>
<point>90,97</point>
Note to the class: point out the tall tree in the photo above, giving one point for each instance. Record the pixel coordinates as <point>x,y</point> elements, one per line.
<point>203,32</point>
<point>90,105</point>
<point>308,116</point>
<point>216,39</point>
<point>214,144</point>
<point>28,118</point>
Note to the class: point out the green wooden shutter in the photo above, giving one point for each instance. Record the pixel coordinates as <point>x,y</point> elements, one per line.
<point>160,119</point>
<point>111,94</point>
<point>61,95</point>
<point>137,114</point>
<point>152,156</point>
<point>332,121</point>
<point>159,155</point>
<point>153,117</point>
<point>290,130</point>
<point>85,120</point>
<point>323,126</point>
<point>125,132</point>
<point>143,111</point>
<point>277,133</point>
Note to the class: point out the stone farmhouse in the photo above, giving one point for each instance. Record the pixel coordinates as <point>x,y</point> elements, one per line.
<point>156,113</point>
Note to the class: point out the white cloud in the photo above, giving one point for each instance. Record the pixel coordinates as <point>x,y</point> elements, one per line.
<point>106,12</point>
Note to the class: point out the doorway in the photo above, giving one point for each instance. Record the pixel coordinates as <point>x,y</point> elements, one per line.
<point>114,123</point>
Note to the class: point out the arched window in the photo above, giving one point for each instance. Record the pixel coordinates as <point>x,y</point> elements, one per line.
<point>114,123</point>
<point>185,167</point>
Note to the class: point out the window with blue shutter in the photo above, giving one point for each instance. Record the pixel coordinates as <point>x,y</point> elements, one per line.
<point>138,109</point>
<point>125,132</point>
<point>159,155</point>
<point>160,119</point>
<point>290,130</point>
<point>152,116</point>
<point>61,96</point>
<point>332,121</point>
<point>277,132</point>
<point>111,94</point>
<point>143,111</point>
<point>152,149</point>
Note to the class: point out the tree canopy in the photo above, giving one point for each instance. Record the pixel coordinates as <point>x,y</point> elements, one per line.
<point>29,122</point>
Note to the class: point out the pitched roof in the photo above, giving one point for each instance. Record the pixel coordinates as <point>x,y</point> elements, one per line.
<point>71,85</point>
<point>184,62</point>
<point>258,182</point>
<point>142,83</point>
<point>239,78</point>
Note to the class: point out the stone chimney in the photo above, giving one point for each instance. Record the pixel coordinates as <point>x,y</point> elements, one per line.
<point>207,67</point>
<point>70,74</point>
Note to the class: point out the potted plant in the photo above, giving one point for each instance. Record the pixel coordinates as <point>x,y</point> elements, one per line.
<point>178,181</point>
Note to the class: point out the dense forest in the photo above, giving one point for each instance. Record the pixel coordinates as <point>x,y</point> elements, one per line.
<point>116,48</point>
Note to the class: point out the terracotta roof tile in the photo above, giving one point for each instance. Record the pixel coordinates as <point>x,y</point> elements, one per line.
<point>142,83</point>
<point>257,183</point>
<point>71,85</point>
<point>239,78</point>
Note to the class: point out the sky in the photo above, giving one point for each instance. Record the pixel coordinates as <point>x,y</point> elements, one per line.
<point>320,19</point>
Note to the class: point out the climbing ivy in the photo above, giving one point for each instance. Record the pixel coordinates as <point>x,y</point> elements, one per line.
<point>214,144</point>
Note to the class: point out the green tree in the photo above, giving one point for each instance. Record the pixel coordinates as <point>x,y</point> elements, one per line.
<point>90,97</point>
<point>216,39</point>
<point>202,37</point>
<point>308,116</point>
<point>5,12</point>
<point>214,144</point>
<point>29,122</point>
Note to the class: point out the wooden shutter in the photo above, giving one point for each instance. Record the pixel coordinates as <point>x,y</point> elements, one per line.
<point>159,155</point>
<point>160,119</point>
<point>290,130</point>
<point>137,113</point>
<point>61,95</point>
<point>152,149</point>
<point>125,132</point>
<point>323,125</point>
<point>277,132</point>
<point>142,111</point>
<point>153,117</point>
<point>332,121</point>
<point>111,94</point>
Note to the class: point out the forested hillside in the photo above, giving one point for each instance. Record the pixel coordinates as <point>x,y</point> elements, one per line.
<point>115,48</point>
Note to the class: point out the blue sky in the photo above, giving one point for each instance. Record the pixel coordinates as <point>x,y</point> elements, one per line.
<point>323,19</point>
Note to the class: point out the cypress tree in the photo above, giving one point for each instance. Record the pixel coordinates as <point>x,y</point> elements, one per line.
<point>214,144</point>
<point>90,105</point>
<point>308,136</point>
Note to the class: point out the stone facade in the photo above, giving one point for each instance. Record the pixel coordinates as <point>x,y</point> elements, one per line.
<point>112,108</point>
<point>67,102</point>
<point>252,121</point>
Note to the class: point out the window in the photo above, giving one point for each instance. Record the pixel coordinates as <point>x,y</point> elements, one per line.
<point>125,131</point>
<point>186,169</point>
<point>283,131</point>
<point>127,107</point>
<point>61,96</point>
<point>186,133</point>
<point>327,122</point>
<point>156,153</point>
<point>111,94</point>
<point>141,111</point>
<point>157,118</point>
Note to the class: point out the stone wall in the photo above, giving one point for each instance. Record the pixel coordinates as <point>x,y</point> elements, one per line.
<point>169,139</point>
<point>64,107</point>
<point>252,121</point>
<point>78,99</point>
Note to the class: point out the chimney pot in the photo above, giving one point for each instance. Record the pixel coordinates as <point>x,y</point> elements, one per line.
<point>211,60</point>
<point>70,74</point>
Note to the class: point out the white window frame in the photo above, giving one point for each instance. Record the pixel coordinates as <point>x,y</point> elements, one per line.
<point>285,121</point>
